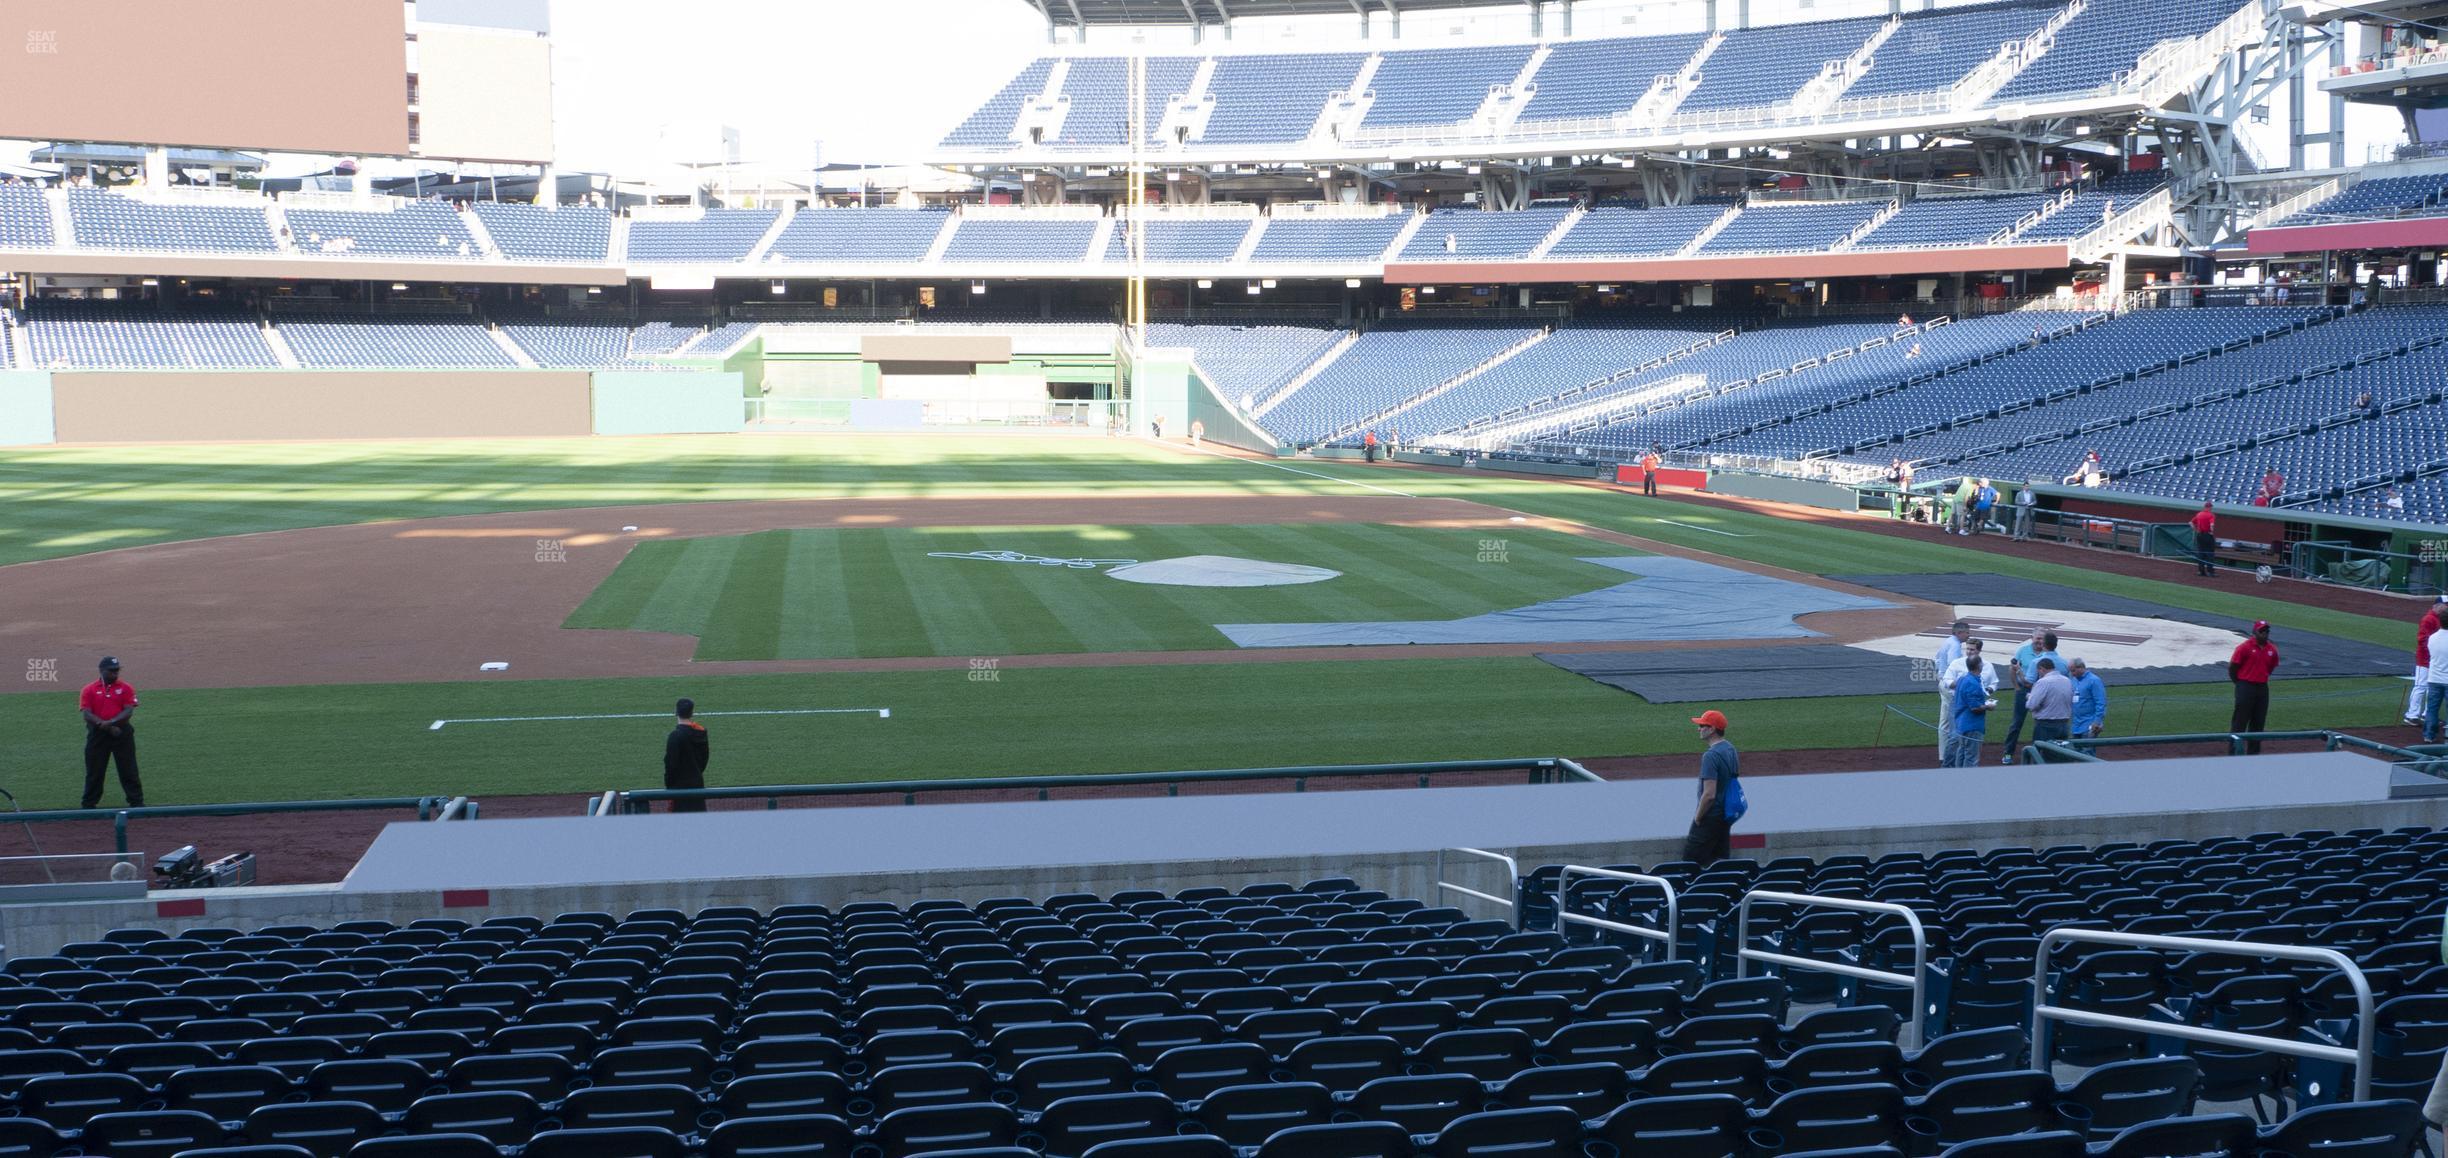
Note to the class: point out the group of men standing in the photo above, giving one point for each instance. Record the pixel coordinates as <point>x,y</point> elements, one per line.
<point>2060,699</point>
<point>1973,506</point>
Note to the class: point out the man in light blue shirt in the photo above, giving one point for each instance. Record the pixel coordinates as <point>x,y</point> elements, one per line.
<point>1971,708</point>
<point>2027,659</point>
<point>2090,701</point>
<point>1949,654</point>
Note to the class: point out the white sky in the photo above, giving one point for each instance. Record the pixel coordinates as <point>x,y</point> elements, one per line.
<point>876,80</point>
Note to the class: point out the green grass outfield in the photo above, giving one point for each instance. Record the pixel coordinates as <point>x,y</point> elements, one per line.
<point>868,592</point>
<point>207,745</point>
<point>367,740</point>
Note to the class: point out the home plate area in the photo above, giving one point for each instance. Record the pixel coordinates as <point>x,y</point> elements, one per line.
<point>2127,641</point>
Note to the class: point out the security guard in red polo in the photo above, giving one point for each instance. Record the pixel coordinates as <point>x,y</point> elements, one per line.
<point>2250,667</point>
<point>109,708</point>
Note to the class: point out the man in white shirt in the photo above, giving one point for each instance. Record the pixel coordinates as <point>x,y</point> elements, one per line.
<point>1950,654</point>
<point>1954,673</point>
<point>2437,690</point>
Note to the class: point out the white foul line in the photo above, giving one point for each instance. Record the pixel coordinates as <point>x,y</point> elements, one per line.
<point>1310,473</point>
<point>1689,527</point>
<point>879,713</point>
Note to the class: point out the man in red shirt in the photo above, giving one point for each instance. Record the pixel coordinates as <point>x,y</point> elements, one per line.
<point>1649,468</point>
<point>2254,662</point>
<point>109,708</point>
<point>2422,659</point>
<point>2205,541</point>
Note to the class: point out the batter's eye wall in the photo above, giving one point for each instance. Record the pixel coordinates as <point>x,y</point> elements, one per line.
<point>310,404</point>
<point>310,76</point>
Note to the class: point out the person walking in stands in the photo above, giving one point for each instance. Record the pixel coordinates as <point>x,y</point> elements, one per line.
<point>1649,469</point>
<point>2043,645</point>
<point>1971,707</point>
<point>2205,541</point>
<point>685,754</point>
<point>2422,660</point>
<point>108,706</point>
<point>1711,838</point>
<point>2052,704</point>
<point>2435,683</point>
<point>2027,504</point>
<point>2090,700</point>
<point>1943,664</point>
<point>1984,504</point>
<point>2255,660</point>
<point>1368,445</point>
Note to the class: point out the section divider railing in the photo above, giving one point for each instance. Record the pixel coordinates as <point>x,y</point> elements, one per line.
<point>1565,915</point>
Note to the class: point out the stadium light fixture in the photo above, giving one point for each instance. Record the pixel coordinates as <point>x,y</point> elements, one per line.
<point>1267,282</point>
<point>1253,288</point>
<point>1324,173</point>
<point>1473,170</point>
<point>399,287</point>
<point>778,287</point>
<point>1351,283</point>
<point>1172,174</point>
<point>2082,130</point>
<point>1206,283</point>
<point>1428,289</point>
<point>150,281</point>
<point>977,287</point>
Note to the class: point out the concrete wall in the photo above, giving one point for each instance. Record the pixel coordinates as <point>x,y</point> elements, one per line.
<point>37,929</point>
<point>667,402</point>
<point>25,408</point>
<point>172,406</point>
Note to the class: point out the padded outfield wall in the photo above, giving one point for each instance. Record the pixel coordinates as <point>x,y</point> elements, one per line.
<point>212,406</point>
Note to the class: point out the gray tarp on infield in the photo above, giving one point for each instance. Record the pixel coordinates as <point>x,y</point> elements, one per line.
<point>1673,599</point>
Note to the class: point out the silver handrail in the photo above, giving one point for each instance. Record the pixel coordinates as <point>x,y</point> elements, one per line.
<point>2360,1057</point>
<point>1512,876</point>
<point>1568,917</point>
<point>1745,954</point>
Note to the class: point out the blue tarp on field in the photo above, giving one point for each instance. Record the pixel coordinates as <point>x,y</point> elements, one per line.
<point>1672,599</point>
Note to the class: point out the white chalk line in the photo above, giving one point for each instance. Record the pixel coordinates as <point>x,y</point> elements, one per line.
<point>879,713</point>
<point>1310,473</point>
<point>1689,527</point>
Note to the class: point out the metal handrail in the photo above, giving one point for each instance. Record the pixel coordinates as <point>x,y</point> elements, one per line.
<point>1542,769</point>
<point>2043,1013</point>
<point>1745,954</point>
<point>119,817</point>
<point>1568,917</point>
<point>1512,876</point>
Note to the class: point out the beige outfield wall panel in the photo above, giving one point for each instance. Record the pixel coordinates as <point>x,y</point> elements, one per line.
<point>306,76</point>
<point>171,406</point>
<point>484,94</point>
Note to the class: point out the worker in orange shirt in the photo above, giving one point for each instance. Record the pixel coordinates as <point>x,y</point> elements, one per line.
<point>1649,469</point>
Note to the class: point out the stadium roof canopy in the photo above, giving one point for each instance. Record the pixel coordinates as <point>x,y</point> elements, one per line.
<point>1200,13</point>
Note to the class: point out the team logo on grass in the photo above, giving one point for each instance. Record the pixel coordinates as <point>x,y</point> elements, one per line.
<point>1023,557</point>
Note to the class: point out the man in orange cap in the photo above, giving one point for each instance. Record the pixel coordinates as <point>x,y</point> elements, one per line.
<point>1712,833</point>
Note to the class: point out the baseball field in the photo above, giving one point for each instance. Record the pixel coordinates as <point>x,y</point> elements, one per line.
<point>312,621</point>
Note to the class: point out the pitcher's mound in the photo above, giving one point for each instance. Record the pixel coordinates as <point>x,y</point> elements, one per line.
<point>1220,571</point>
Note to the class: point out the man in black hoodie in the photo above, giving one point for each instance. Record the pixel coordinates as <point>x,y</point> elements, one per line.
<point>685,753</point>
